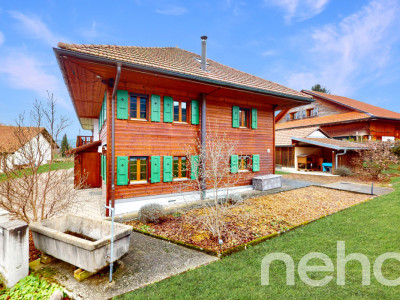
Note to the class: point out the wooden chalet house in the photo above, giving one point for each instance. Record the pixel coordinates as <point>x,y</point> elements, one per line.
<point>326,128</point>
<point>145,104</point>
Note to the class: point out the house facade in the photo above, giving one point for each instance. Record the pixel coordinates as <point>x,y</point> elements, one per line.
<point>20,146</point>
<point>340,118</point>
<point>146,106</point>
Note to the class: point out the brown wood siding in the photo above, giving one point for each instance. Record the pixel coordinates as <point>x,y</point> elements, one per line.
<point>349,129</point>
<point>284,156</point>
<point>325,108</point>
<point>144,138</point>
<point>385,128</point>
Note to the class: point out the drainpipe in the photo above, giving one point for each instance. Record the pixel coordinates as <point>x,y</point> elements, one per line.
<point>203,142</point>
<point>113,135</point>
<point>338,154</point>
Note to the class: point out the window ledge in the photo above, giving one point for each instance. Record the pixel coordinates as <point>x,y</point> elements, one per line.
<point>138,182</point>
<point>180,179</point>
<point>244,171</point>
<point>178,122</point>
<point>134,119</point>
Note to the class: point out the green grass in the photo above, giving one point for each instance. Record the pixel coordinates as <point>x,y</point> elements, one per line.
<point>371,228</point>
<point>393,170</point>
<point>42,169</point>
<point>281,172</point>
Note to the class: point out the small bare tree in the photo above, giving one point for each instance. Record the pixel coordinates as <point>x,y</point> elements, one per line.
<point>211,168</point>
<point>29,189</point>
<point>374,160</point>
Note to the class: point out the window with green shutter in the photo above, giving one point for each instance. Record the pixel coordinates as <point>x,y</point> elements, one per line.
<point>167,168</point>
<point>155,108</point>
<point>256,162</point>
<point>234,163</point>
<point>235,116</point>
<point>195,112</point>
<point>105,107</point>
<point>194,167</point>
<point>122,104</point>
<point>168,109</point>
<point>101,166</point>
<point>155,169</point>
<point>122,170</point>
<point>254,118</point>
<point>105,168</point>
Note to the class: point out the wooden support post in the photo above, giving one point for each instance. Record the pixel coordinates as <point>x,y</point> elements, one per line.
<point>80,274</point>
<point>203,134</point>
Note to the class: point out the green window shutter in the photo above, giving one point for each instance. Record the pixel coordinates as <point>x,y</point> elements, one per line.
<point>155,169</point>
<point>101,117</point>
<point>194,167</point>
<point>254,118</point>
<point>235,116</point>
<point>101,166</point>
<point>105,106</point>
<point>105,169</point>
<point>167,166</point>
<point>234,163</point>
<point>195,112</point>
<point>122,104</point>
<point>155,108</point>
<point>256,163</point>
<point>168,109</point>
<point>122,170</point>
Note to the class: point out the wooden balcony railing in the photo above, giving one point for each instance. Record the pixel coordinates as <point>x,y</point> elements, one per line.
<point>83,140</point>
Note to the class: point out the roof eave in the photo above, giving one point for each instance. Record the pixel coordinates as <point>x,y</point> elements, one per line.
<point>338,148</point>
<point>59,51</point>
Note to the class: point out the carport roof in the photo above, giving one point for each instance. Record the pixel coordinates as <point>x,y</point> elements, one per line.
<point>331,143</point>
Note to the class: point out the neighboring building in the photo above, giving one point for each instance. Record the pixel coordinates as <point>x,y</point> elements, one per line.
<point>342,118</point>
<point>339,118</point>
<point>164,97</point>
<point>20,146</point>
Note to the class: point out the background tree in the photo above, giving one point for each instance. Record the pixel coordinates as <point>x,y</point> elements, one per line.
<point>319,88</point>
<point>64,145</point>
<point>29,194</point>
<point>377,158</point>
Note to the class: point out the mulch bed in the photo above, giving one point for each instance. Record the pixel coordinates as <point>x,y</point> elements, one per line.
<point>255,218</point>
<point>333,179</point>
<point>33,252</point>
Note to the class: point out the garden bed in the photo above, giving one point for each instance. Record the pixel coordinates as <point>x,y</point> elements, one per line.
<point>254,220</point>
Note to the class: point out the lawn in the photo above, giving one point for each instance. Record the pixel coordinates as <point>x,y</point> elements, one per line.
<point>43,168</point>
<point>370,228</point>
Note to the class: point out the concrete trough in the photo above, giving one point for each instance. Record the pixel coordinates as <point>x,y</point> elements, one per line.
<point>267,182</point>
<point>89,246</point>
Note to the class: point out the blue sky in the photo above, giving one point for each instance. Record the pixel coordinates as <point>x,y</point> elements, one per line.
<point>351,47</point>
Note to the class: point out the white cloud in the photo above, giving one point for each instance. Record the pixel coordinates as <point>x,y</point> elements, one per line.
<point>91,32</point>
<point>352,53</point>
<point>172,11</point>
<point>36,28</point>
<point>299,10</point>
<point>25,72</point>
<point>1,38</point>
<point>268,53</point>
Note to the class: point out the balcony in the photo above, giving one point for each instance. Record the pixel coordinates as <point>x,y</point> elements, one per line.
<point>83,140</point>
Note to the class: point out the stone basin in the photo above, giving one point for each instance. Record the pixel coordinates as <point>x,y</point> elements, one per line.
<point>91,255</point>
<point>267,182</point>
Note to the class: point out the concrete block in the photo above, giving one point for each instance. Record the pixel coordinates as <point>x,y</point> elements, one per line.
<point>14,254</point>
<point>267,182</point>
<point>89,254</point>
<point>35,265</point>
<point>46,259</point>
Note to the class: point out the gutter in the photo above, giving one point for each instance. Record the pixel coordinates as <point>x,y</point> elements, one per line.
<point>59,52</point>
<point>113,135</point>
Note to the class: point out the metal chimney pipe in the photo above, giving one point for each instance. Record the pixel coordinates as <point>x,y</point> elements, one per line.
<point>203,52</point>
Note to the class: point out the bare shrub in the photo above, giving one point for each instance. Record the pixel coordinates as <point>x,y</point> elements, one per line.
<point>213,162</point>
<point>151,213</point>
<point>377,158</point>
<point>343,171</point>
<point>36,191</point>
